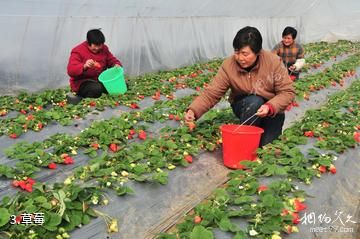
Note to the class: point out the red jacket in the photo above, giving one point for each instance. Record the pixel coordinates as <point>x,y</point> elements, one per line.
<point>79,55</point>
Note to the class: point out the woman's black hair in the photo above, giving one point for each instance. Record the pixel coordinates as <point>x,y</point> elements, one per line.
<point>289,31</point>
<point>248,36</point>
<point>95,36</point>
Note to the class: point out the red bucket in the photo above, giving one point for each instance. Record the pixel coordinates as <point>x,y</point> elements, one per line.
<point>240,142</point>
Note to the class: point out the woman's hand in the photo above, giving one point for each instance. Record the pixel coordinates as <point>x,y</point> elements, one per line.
<point>89,64</point>
<point>189,116</point>
<point>292,68</point>
<point>263,111</point>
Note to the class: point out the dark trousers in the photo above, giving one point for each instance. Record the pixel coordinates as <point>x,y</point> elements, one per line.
<point>245,106</point>
<point>91,89</point>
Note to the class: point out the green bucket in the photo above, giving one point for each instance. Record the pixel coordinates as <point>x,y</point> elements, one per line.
<point>113,80</point>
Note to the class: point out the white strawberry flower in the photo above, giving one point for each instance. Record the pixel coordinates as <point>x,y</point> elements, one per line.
<point>252,232</point>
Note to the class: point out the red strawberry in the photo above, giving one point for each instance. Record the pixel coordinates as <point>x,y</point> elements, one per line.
<point>170,97</point>
<point>22,111</point>
<point>95,145</point>
<point>97,65</point>
<point>13,136</point>
<point>15,183</point>
<point>322,169</point>
<point>142,135</point>
<point>171,117</point>
<point>193,75</point>
<point>52,166</point>
<point>198,88</point>
<point>28,187</point>
<point>114,147</point>
<point>177,118</point>
<point>40,125</point>
<point>68,160</point>
<point>191,126</point>
<point>172,79</point>
<point>30,117</point>
<point>22,184</point>
<point>309,133</point>
<point>189,158</point>
<point>296,219</point>
<point>30,181</point>
<point>130,136</point>
<point>197,219</point>
<point>156,96</point>
<point>134,106</point>
<point>284,212</point>
<point>141,97</point>
<point>262,188</point>
<point>298,206</point>
<point>64,156</point>
<point>62,103</point>
<point>295,104</point>
<point>357,137</point>
<point>332,169</point>
<point>333,83</point>
<point>92,103</point>
<point>132,132</point>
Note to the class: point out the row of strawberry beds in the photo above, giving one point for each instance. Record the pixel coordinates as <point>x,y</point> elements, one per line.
<point>323,51</point>
<point>330,76</point>
<point>27,167</point>
<point>101,168</point>
<point>134,161</point>
<point>160,176</point>
<point>38,110</point>
<point>33,116</point>
<point>66,144</point>
<point>273,209</point>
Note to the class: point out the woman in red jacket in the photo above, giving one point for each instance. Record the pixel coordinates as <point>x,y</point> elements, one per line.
<point>87,61</point>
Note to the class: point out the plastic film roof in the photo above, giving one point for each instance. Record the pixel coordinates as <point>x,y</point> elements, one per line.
<point>151,35</point>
